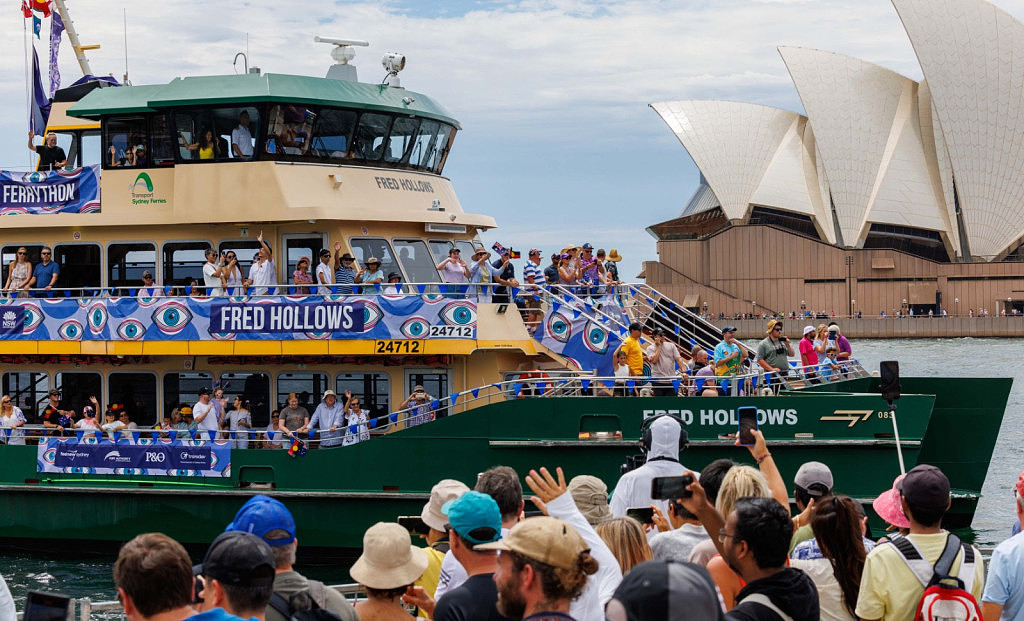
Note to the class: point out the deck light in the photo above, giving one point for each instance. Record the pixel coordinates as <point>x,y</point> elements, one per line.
<point>393,63</point>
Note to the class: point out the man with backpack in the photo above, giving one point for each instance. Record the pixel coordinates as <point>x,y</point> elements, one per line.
<point>295,597</point>
<point>902,575</point>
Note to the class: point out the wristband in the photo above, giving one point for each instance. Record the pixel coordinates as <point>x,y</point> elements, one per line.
<point>762,458</point>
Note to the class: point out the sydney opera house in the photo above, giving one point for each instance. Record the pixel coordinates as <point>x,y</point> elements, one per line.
<point>887,194</point>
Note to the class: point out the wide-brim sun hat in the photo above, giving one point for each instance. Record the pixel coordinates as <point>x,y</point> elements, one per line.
<point>888,507</point>
<point>614,256</point>
<point>389,560</point>
<point>445,490</point>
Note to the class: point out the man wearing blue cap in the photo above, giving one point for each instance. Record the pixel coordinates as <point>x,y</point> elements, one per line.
<point>475,519</point>
<point>270,520</point>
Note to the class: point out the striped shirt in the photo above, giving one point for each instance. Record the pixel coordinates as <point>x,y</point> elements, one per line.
<point>532,269</point>
<point>344,276</point>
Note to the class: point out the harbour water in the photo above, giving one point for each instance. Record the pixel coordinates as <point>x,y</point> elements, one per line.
<point>80,577</point>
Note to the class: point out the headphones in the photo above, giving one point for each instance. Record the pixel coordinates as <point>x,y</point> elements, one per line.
<point>645,432</point>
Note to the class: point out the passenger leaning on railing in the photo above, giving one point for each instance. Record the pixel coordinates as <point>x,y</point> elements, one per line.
<point>19,275</point>
<point>327,419</point>
<point>419,407</point>
<point>11,417</point>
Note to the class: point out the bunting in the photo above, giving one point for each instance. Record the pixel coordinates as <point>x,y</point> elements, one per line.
<point>56,30</point>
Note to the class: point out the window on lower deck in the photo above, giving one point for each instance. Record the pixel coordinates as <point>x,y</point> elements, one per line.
<point>26,389</point>
<point>372,389</point>
<point>183,261</point>
<point>377,247</point>
<point>182,389</point>
<point>80,268</point>
<point>137,392</point>
<point>254,387</point>
<point>308,387</point>
<point>76,388</point>
<point>416,260</point>
<point>9,254</point>
<point>127,262</point>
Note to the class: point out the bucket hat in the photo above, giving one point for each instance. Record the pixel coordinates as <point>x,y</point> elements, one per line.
<point>887,506</point>
<point>389,559</point>
<point>445,490</point>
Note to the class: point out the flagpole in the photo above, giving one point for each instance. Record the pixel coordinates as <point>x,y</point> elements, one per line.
<point>69,27</point>
<point>26,41</point>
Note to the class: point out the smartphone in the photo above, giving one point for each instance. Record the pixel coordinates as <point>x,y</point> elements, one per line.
<point>414,524</point>
<point>670,488</point>
<point>532,513</point>
<point>747,422</point>
<point>644,515</point>
<point>41,606</point>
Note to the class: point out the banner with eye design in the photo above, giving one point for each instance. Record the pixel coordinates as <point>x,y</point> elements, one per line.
<point>586,334</point>
<point>156,318</point>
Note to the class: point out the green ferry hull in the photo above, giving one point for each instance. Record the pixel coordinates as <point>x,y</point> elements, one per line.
<point>337,493</point>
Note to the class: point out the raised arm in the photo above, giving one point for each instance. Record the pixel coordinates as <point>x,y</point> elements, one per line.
<point>768,468</point>
<point>31,137</point>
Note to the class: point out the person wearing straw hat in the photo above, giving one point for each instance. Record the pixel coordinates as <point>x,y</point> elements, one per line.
<point>371,273</point>
<point>387,568</point>
<point>544,567</point>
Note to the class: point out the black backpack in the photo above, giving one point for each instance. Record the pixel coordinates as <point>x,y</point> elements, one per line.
<point>303,606</point>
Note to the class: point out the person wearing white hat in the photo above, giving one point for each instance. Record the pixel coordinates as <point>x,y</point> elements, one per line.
<point>808,353</point>
<point>389,565</point>
<point>437,537</point>
<point>327,418</point>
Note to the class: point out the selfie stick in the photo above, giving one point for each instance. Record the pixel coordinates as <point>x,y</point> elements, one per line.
<point>896,432</point>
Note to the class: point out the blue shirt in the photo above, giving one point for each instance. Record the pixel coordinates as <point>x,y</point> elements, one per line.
<point>808,549</point>
<point>1005,582</point>
<point>724,350</point>
<point>44,274</point>
<point>216,614</point>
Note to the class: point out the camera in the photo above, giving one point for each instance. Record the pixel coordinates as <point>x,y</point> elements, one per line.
<point>632,463</point>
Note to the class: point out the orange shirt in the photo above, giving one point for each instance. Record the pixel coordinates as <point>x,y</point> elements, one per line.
<point>634,355</point>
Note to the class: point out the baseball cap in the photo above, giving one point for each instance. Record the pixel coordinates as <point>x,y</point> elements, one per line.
<point>925,486</point>
<point>444,491</point>
<point>808,329</point>
<point>239,559</point>
<point>587,246</point>
<point>591,497</point>
<point>665,590</point>
<point>204,391</point>
<point>564,255</point>
<point>475,517</point>
<point>533,252</point>
<point>54,393</point>
<point>728,329</point>
<point>817,474</point>
<point>418,388</point>
<point>262,514</point>
<point>147,274</point>
<point>544,539</point>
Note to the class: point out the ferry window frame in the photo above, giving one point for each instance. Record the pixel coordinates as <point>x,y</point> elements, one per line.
<point>197,376</point>
<point>362,153</point>
<point>107,141</point>
<point>409,139</point>
<point>467,247</point>
<point>315,397</point>
<point>134,415</point>
<point>80,400</point>
<point>412,241</point>
<point>414,376</point>
<point>79,291</point>
<point>378,403</point>
<point>260,410</point>
<point>35,394</point>
<point>168,260</point>
<point>395,265</point>
<point>84,137</point>
<point>313,256</point>
<point>256,129</point>
<point>129,283</point>
<point>441,257</point>
<point>9,253</point>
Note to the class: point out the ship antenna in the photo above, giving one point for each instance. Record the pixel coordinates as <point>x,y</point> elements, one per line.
<point>124,14</point>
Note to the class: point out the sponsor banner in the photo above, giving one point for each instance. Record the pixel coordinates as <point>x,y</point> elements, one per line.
<point>47,192</point>
<point>12,319</point>
<point>146,315</point>
<point>277,318</point>
<point>132,456</point>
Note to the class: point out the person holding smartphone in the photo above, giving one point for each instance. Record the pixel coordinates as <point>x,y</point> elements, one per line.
<point>774,350</point>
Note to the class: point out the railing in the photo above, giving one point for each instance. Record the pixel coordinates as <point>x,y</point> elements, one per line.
<point>658,310</point>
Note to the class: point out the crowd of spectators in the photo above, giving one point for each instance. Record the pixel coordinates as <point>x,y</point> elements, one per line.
<point>728,547</point>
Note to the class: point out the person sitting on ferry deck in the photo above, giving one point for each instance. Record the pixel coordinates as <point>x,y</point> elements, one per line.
<point>293,417</point>
<point>505,280</point>
<point>45,274</point>
<point>774,350</point>
<point>149,288</point>
<point>262,274</point>
<point>419,406</point>
<point>354,415</point>
<point>371,274</point>
<point>236,575</point>
<point>842,344</point>
<point>205,415</point>
<point>239,422</point>
<point>50,155</point>
<point>302,277</point>
<point>241,138</point>
<point>213,271</point>
<point>206,145</point>
<point>19,275</point>
<point>664,356</point>
<point>231,275</point>
<point>11,417</point>
<point>154,580</point>
<point>394,279</point>
<point>327,419</point>
<point>322,274</point>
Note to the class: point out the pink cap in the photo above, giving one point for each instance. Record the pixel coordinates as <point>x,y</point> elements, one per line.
<point>1020,485</point>
<point>888,507</point>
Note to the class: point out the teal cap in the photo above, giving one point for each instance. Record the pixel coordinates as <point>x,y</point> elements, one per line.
<point>475,517</point>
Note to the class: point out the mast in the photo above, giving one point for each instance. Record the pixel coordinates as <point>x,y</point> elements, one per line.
<point>69,26</point>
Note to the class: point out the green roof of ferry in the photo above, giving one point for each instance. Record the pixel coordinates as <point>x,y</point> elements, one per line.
<point>249,88</point>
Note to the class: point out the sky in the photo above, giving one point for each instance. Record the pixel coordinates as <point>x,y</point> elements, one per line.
<point>558,141</point>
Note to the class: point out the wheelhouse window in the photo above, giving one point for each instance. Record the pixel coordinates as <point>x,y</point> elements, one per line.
<point>127,261</point>
<point>416,260</point>
<point>125,140</point>
<point>181,389</point>
<point>137,392</point>
<point>401,140</point>
<point>183,261</point>
<point>372,389</point>
<point>76,388</point>
<point>210,134</point>
<point>371,136</point>
<point>161,143</point>
<point>435,155</point>
<point>439,249</point>
<point>365,247</point>
<point>289,129</point>
<point>332,134</point>
<point>80,268</point>
<point>254,387</point>
<point>27,389</point>
<point>467,249</point>
<point>308,387</point>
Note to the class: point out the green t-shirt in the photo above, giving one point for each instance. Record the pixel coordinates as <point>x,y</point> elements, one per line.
<point>774,353</point>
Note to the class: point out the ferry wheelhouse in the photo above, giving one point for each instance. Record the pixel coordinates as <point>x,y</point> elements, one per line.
<point>161,174</point>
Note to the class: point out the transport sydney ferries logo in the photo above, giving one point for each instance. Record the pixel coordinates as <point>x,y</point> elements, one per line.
<point>142,191</point>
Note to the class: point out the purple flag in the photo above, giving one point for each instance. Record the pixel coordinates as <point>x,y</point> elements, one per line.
<point>56,30</point>
<point>40,103</point>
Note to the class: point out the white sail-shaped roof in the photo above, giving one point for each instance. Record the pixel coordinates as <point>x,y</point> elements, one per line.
<point>971,53</point>
<point>746,152</point>
<point>867,129</point>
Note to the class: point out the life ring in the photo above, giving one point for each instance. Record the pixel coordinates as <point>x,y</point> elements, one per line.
<point>538,376</point>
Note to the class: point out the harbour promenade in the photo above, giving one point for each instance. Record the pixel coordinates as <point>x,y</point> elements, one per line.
<point>890,327</point>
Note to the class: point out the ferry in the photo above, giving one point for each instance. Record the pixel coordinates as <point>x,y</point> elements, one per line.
<point>160,174</point>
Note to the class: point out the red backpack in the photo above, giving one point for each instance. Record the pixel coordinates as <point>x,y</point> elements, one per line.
<point>945,597</point>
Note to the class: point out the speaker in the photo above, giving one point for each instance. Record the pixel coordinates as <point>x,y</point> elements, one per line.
<point>890,387</point>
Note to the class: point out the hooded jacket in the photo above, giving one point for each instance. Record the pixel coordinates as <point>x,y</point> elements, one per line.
<point>789,589</point>
<point>634,488</point>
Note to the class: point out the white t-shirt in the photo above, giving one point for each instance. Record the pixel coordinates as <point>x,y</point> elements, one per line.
<point>278,436</point>
<point>323,269</point>
<point>240,136</point>
<point>210,422</point>
<point>262,276</point>
<point>666,364</point>
<point>17,435</point>
<point>212,282</point>
<point>242,433</point>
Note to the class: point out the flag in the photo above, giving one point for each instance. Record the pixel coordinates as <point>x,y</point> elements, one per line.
<point>43,6</point>
<point>26,10</point>
<point>40,103</point>
<point>56,30</point>
<point>37,25</point>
